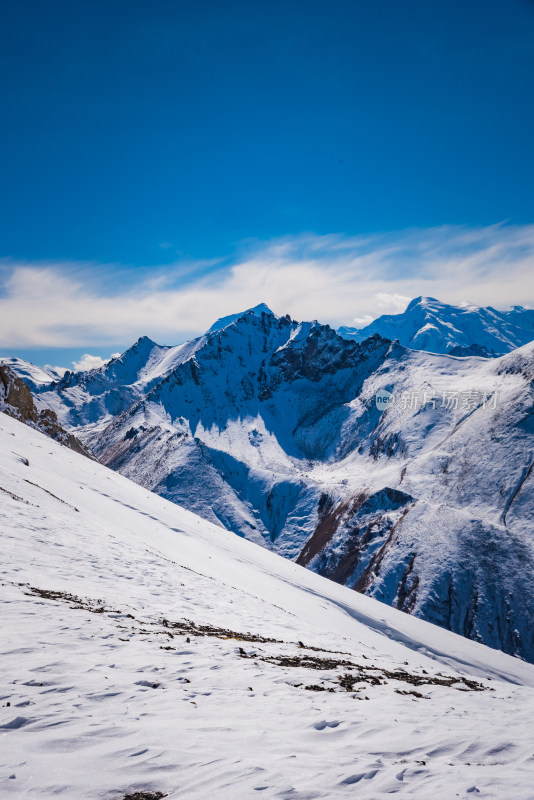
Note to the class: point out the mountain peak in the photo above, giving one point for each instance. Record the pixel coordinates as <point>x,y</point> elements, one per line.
<point>257,311</point>
<point>420,301</point>
<point>467,329</point>
<point>144,341</point>
<point>261,307</point>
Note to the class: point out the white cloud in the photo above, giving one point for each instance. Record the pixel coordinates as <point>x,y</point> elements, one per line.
<point>361,322</point>
<point>87,362</point>
<point>392,303</point>
<point>333,278</point>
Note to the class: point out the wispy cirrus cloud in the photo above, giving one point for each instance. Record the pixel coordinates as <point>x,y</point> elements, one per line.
<point>334,278</point>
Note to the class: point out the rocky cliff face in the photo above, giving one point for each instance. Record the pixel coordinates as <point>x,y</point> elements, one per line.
<point>16,401</point>
<point>272,429</point>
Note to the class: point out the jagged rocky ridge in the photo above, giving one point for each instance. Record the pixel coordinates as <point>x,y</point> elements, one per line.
<point>271,428</point>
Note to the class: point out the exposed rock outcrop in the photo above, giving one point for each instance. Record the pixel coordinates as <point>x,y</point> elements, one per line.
<point>16,400</point>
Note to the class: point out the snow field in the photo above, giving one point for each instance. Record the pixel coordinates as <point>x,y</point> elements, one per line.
<point>99,707</point>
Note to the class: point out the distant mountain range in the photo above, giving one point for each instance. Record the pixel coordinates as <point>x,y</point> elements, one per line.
<point>437,327</point>
<point>404,474</point>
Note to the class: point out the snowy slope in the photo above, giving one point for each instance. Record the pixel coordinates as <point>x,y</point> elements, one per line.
<point>133,659</point>
<point>270,428</point>
<point>427,324</point>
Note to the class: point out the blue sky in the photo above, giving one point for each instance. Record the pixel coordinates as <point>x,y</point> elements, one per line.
<point>170,141</point>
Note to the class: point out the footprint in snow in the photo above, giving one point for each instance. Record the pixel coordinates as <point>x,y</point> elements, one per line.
<point>368,776</point>
<point>320,726</point>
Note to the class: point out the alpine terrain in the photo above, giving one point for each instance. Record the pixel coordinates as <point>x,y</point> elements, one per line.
<point>402,474</point>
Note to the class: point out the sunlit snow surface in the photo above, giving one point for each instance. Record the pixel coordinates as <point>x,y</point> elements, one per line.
<point>98,707</point>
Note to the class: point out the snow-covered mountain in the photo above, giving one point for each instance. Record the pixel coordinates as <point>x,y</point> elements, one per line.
<point>272,429</point>
<point>35,377</point>
<point>427,324</point>
<point>146,653</point>
<point>229,412</point>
